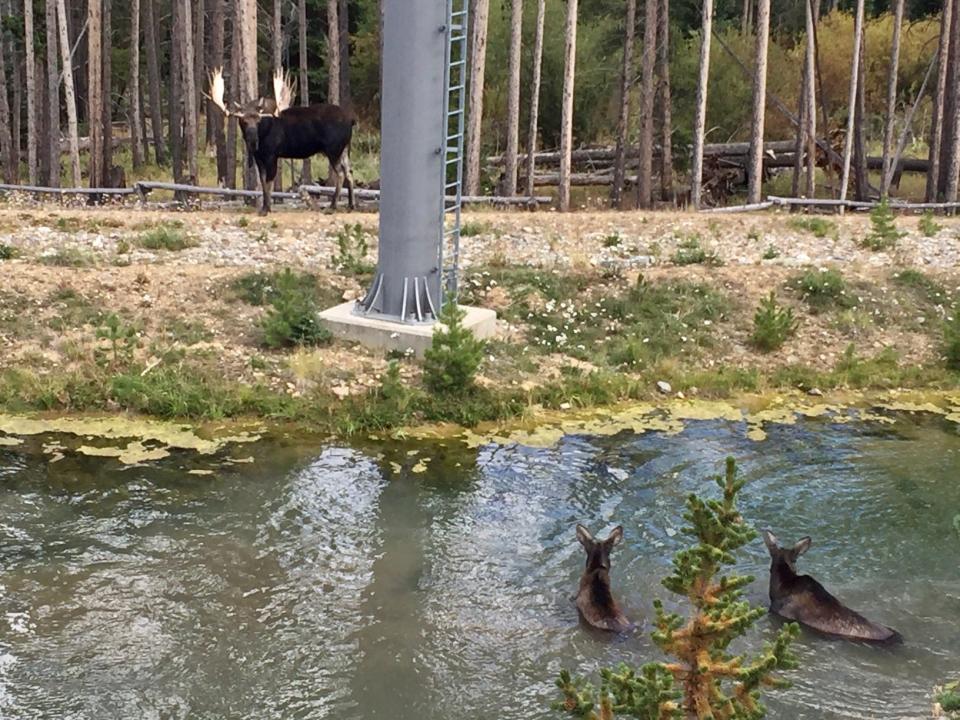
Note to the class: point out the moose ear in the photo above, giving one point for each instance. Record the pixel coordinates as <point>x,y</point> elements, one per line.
<point>802,546</point>
<point>584,536</point>
<point>616,537</point>
<point>770,540</point>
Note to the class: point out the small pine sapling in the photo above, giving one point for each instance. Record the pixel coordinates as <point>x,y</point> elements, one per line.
<point>772,324</point>
<point>928,226</point>
<point>454,355</point>
<point>703,681</point>
<point>883,233</point>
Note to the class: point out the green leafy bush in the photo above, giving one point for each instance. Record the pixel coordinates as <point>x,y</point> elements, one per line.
<point>166,236</point>
<point>690,251</point>
<point>454,356</point>
<point>7,252</point>
<point>822,289</point>
<point>771,253</point>
<point>772,324</point>
<point>883,228</point>
<point>951,339</point>
<point>703,680</point>
<point>292,317</point>
<point>818,226</point>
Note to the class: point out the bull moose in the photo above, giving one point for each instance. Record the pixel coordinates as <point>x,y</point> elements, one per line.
<point>802,598</point>
<point>272,129</point>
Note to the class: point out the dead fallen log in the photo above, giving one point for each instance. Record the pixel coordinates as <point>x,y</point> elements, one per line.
<point>609,154</point>
<point>38,190</point>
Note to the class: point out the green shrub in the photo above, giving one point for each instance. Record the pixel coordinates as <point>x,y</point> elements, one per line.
<point>68,257</point>
<point>818,226</point>
<point>166,236</point>
<point>352,251</point>
<point>771,253</point>
<point>8,252</point>
<point>454,355</point>
<point>612,240</point>
<point>122,341</point>
<point>702,679</point>
<point>824,288</point>
<point>690,251</point>
<point>928,226</point>
<point>292,317</point>
<point>883,228</point>
<point>951,339</point>
<point>260,288</point>
<point>473,228</point>
<point>772,324</point>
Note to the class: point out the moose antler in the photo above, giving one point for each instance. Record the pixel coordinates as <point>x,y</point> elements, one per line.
<point>217,90</point>
<point>283,90</point>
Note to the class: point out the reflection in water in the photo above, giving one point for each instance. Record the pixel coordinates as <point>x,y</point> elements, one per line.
<point>345,585</point>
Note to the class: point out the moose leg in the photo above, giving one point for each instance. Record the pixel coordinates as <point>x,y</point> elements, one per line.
<point>268,171</point>
<point>344,172</point>
<point>338,183</point>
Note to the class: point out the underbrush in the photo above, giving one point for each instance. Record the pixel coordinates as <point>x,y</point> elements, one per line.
<point>169,236</point>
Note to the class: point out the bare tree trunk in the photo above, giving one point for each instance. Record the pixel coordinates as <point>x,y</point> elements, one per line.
<point>952,114</point>
<point>6,136</point>
<point>755,184</point>
<point>69,94</point>
<point>95,89</point>
<point>30,63</point>
<point>233,85</point>
<point>478,62</point>
<point>666,111</point>
<point>175,99</point>
<point>153,73</point>
<point>247,25</point>
<point>888,127</point>
<point>190,93</point>
<point>746,17</point>
<point>16,121</point>
<point>626,83</point>
<point>852,100</point>
<point>648,88</point>
<point>343,18</point>
<point>508,185</point>
<point>107,90</point>
<point>950,99</point>
<point>53,95</point>
<point>43,122</point>
<point>276,45</point>
<point>939,95</point>
<point>861,174</point>
<point>566,112</point>
<point>215,119</point>
<point>198,58</point>
<point>135,84</point>
<point>535,95</point>
<point>700,118</point>
<point>811,71</point>
<point>333,53</point>
<point>304,85</point>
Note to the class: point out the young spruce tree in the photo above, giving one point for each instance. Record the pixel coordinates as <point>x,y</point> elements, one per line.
<point>702,680</point>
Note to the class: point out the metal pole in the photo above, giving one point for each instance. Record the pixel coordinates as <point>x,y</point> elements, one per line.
<point>407,284</point>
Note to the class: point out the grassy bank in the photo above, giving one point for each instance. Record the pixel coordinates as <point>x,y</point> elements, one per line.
<point>214,317</point>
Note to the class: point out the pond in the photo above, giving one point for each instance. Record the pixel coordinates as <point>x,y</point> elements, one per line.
<point>363,582</point>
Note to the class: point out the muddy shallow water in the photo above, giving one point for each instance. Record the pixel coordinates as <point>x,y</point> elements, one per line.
<point>338,582</point>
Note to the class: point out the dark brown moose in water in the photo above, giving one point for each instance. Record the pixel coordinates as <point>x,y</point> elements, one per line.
<point>803,599</point>
<point>595,599</point>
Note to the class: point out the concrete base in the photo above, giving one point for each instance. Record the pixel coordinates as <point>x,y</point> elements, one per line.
<point>386,335</point>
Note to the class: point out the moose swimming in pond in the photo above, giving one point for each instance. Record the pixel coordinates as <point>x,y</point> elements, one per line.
<point>272,129</point>
<point>594,598</point>
<point>803,599</point>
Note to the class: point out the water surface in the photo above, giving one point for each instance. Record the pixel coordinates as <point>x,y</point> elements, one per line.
<point>336,582</point>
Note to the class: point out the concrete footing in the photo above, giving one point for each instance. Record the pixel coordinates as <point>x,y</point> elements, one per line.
<point>386,335</point>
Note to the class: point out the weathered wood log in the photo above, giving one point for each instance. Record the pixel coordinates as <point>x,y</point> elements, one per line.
<point>39,190</point>
<point>608,155</point>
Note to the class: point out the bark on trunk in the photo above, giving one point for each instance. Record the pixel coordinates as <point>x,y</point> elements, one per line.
<point>700,118</point>
<point>153,73</point>
<point>95,90</point>
<point>535,94</point>
<point>509,186</point>
<point>305,175</point>
<point>198,59</point>
<point>861,176</point>
<point>53,95</point>
<point>6,136</point>
<point>888,127</point>
<point>30,63</point>
<point>248,69</point>
<point>566,113</point>
<point>852,100</point>
<point>343,18</point>
<point>43,121</point>
<point>106,43</point>
<point>811,71</point>
<point>276,47</point>
<point>190,92</point>
<point>626,83</point>
<point>333,53</point>
<point>232,90</point>
<point>950,99</point>
<point>215,118</point>
<point>939,96</point>
<point>953,165</point>
<point>755,168</point>
<point>174,103</point>
<point>69,94</point>
<point>666,110</point>
<point>648,89</point>
<point>135,83</point>
<point>478,61</point>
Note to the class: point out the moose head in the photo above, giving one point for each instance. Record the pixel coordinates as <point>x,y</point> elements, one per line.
<point>252,112</point>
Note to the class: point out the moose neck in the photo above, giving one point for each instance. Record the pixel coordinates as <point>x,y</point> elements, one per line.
<point>781,574</point>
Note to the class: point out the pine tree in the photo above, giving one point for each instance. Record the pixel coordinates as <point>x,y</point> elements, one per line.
<point>703,680</point>
<point>454,355</point>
